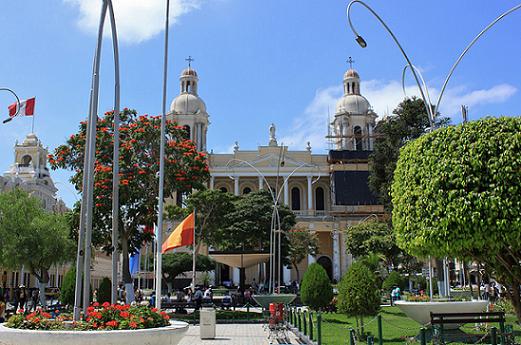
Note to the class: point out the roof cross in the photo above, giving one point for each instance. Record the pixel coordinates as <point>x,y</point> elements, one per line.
<point>350,61</point>
<point>189,59</point>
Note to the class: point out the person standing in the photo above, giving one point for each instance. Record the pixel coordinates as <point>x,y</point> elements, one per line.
<point>2,309</point>
<point>22,297</point>
<point>198,297</point>
<point>34,299</point>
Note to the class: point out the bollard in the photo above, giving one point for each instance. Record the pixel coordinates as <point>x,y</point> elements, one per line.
<point>299,321</point>
<point>423,336</point>
<point>319,328</point>
<point>311,326</point>
<point>493,335</point>
<point>351,336</point>
<point>291,316</point>
<point>380,332</point>
<point>502,332</point>
<point>305,322</point>
<point>370,340</point>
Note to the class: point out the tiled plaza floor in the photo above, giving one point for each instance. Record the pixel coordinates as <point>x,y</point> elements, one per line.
<point>236,334</point>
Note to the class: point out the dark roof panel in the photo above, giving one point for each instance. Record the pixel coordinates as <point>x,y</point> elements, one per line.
<point>351,188</point>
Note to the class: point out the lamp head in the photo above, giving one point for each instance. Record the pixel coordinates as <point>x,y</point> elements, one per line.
<point>361,42</point>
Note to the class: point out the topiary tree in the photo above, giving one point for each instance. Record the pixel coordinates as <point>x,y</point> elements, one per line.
<point>316,290</point>
<point>457,193</point>
<point>358,295</point>
<point>394,279</point>
<point>105,290</point>
<point>68,287</point>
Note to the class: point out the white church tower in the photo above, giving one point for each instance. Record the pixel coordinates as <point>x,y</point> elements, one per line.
<point>354,118</point>
<point>189,110</point>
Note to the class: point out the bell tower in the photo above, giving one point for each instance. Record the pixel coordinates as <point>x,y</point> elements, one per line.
<point>188,109</point>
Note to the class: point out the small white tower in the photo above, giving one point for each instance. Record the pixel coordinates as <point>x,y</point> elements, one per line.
<point>30,171</point>
<point>189,110</point>
<point>354,119</point>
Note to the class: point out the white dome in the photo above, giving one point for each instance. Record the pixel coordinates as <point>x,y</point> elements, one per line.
<point>187,103</point>
<point>352,104</point>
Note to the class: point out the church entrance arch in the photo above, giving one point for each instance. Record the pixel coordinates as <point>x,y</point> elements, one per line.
<point>327,264</point>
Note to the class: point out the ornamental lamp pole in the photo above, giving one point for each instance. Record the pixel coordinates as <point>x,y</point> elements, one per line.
<point>17,101</point>
<point>86,213</point>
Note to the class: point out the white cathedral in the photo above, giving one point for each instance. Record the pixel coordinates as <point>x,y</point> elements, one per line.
<point>327,192</point>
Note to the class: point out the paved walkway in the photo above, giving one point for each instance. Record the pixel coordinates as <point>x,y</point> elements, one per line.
<point>234,334</point>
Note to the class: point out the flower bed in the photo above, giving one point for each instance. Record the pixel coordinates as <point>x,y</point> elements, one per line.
<point>106,324</point>
<point>104,317</point>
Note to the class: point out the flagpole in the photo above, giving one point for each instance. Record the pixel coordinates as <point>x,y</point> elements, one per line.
<point>193,255</point>
<point>162,167</point>
<point>32,125</point>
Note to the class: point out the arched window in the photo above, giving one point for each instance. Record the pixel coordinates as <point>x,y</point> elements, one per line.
<point>246,190</point>
<point>224,189</point>
<point>358,138</point>
<point>319,199</point>
<point>26,160</point>
<point>295,198</point>
<point>188,131</point>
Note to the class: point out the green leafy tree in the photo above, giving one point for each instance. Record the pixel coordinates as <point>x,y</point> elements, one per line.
<point>301,244</point>
<point>394,279</point>
<point>316,290</point>
<point>185,169</point>
<point>372,237</point>
<point>175,264</point>
<point>32,237</point>
<point>359,295</point>
<point>408,121</point>
<point>457,193</point>
<point>212,208</point>
<point>105,290</point>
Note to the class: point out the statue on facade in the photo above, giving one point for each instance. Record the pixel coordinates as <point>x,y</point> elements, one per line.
<point>273,139</point>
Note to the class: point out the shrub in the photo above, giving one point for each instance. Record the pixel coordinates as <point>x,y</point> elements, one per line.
<point>393,280</point>
<point>68,287</point>
<point>316,290</point>
<point>105,290</point>
<point>358,295</point>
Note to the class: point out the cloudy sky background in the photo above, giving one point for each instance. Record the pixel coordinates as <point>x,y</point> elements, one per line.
<point>259,61</point>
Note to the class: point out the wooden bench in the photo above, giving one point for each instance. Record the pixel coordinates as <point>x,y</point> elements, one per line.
<point>442,319</point>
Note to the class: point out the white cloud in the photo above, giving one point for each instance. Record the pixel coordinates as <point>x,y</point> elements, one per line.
<point>136,20</point>
<point>384,96</point>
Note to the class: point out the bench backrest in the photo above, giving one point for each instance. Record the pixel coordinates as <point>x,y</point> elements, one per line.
<point>461,318</point>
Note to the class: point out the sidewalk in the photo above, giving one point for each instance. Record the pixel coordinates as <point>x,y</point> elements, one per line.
<point>234,334</point>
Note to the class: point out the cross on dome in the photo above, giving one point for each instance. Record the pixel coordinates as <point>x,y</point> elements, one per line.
<point>189,59</point>
<point>350,61</point>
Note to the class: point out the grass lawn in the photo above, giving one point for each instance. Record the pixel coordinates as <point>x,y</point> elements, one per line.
<point>397,328</point>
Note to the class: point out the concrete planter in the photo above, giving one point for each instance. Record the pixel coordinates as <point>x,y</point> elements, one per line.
<point>421,311</point>
<point>170,335</point>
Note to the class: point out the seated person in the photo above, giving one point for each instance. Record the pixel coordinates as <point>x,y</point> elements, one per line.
<point>226,301</point>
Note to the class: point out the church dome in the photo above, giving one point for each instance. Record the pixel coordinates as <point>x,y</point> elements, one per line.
<point>188,103</point>
<point>189,72</point>
<point>351,73</point>
<point>352,104</point>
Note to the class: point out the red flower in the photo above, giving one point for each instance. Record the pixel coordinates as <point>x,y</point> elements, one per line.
<point>106,305</point>
<point>112,323</point>
<point>154,310</point>
<point>95,304</point>
<point>133,324</point>
<point>124,314</point>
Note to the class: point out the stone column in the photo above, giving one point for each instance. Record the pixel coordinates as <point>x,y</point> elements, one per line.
<point>286,276</point>
<point>310,196</point>
<point>212,182</point>
<point>236,190</point>
<point>336,254</point>
<point>286,192</point>
<point>261,183</point>
<point>236,276</point>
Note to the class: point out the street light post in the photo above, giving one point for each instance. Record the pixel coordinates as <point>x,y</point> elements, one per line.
<point>275,233</point>
<point>86,213</point>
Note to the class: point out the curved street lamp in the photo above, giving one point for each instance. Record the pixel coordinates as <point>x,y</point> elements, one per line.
<point>360,40</point>
<point>17,101</point>
<point>416,73</point>
<point>275,241</point>
<point>83,260</point>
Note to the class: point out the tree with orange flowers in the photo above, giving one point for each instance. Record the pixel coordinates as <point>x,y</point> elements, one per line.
<point>185,169</point>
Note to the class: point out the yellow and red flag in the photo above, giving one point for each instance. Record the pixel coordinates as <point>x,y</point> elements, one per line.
<point>183,235</point>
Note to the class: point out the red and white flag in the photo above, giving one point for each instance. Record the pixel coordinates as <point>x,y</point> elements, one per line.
<point>26,109</point>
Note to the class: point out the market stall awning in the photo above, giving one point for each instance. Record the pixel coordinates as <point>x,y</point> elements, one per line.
<point>239,259</point>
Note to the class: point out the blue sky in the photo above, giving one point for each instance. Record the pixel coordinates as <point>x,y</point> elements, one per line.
<point>259,61</point>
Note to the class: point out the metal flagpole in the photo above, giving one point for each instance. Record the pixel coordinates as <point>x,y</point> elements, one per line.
<point>115,159</point>
<point>162,167</point>
<point>194,255</point>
